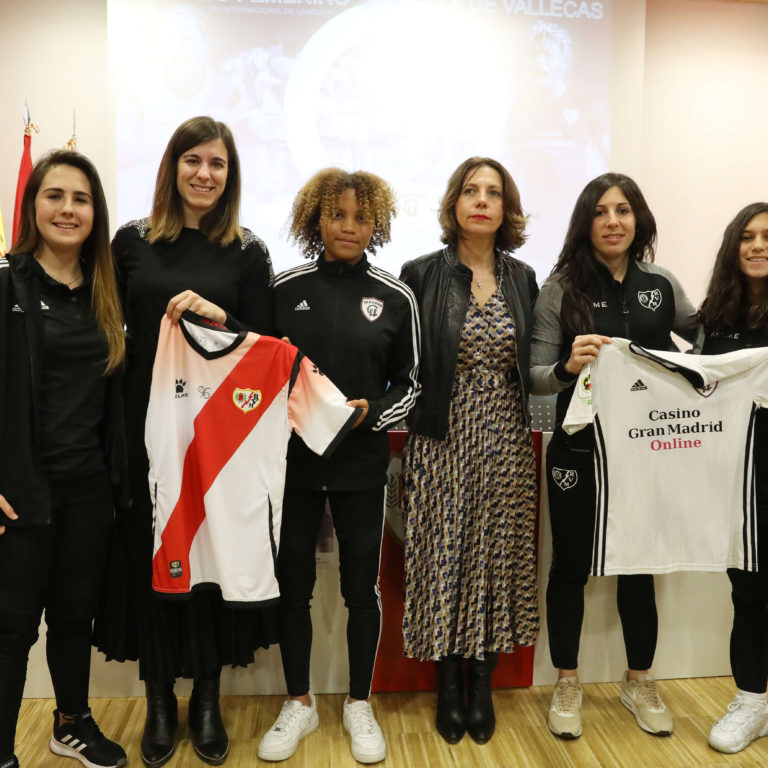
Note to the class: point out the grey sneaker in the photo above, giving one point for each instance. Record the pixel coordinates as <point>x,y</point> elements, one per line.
<point>745,721</point>
<point>367,740</point>
<point>294,722</point>
<point>643,700</point>
<point>565,710</point>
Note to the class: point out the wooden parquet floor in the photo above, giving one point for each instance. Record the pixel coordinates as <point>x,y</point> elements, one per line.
<point>611,738</point>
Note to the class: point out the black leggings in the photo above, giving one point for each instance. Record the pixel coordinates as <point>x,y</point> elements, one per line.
<point>749,636</point>
<point>358,518</point>
<point>59,568</point>
<point>571,487</point>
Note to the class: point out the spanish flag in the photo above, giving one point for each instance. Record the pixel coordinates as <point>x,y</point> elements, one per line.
<point>25,169</point>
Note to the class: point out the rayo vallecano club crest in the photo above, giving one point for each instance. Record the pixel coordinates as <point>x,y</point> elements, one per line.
<point>246,399</point>
<point>650,299</point>
<point>565,478</point>
<point>371,308</point>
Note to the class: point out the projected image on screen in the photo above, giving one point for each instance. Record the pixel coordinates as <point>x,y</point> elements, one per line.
<point>406,90</point>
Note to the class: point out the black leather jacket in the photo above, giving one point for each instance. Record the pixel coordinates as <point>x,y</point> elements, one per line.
<point>442,285</point>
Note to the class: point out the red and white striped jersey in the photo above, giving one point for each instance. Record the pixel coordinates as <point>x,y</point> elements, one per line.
<point>222,406</point>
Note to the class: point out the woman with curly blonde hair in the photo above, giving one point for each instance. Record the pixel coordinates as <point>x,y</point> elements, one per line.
<point>359,325</point>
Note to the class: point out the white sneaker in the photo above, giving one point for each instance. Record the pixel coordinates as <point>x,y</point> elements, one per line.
<point>294,722</point>
<point>368,745</point>
<point>745,721</point>
<point>564,717</point>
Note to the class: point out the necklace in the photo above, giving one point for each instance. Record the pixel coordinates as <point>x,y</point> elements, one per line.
<point>480,283</point>
<point>69,283</point>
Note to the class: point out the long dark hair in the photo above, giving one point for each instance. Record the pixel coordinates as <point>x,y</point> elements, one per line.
<point>727,306</point>
<point>511,234</point>
<point>222,224</point>
<point>95,251</point>
<point>576,265</point>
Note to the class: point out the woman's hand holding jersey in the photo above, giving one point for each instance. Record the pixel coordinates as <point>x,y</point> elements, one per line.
<point>185,300</point>
<point>584,350</point>
<point>7,510</point>
<point>363,403</point>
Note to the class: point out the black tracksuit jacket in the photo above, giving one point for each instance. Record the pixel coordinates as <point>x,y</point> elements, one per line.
<point>360,326</point>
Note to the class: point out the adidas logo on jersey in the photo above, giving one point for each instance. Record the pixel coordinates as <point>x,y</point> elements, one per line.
<point>638,386</point>
<point>302,306</point>
<point>16,308</point>
<point>43,305</point>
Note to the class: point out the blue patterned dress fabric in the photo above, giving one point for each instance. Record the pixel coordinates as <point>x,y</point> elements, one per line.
<point>470,507</point>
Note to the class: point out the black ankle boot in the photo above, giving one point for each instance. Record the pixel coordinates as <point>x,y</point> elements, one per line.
<point>157,742</point>
<point>205,723</point>
<point>450,718</point>
<point>481,721</point>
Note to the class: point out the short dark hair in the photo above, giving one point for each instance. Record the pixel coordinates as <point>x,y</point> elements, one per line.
<point>222,224</point>
<point>511,234</point>
<point>727,306</point>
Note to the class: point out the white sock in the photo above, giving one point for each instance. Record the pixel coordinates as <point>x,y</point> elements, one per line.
<point>749,696</point>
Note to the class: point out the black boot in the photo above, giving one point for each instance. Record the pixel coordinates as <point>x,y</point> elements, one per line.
<point>205,723</point>
<point>450,718</point>
<point>481,721</point>
<point>158,743</point>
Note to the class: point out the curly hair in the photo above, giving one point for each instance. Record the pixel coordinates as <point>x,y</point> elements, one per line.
<point>577,266</point>
<point>317,199</point>
<point>727,306</point>
<point>511,234</point>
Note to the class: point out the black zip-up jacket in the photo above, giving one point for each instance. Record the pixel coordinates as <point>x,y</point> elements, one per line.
<point>442,285</point>
<point>645,308</point>
<point>22,476</point>
<point>718,343</point>
<point>360,326</point>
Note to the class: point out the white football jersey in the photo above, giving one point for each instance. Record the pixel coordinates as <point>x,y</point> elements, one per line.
<point>221,410</point>
<point>673,457</point>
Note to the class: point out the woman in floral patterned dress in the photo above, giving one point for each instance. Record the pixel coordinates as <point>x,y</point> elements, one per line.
<point>470,489</point>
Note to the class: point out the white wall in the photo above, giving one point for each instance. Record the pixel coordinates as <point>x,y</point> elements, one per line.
<point>690,125</point>
<point>705,125</point>
<point>55,56</point>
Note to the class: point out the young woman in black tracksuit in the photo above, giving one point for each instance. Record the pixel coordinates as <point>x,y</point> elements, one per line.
<point>359,325</point>
<point>603,285</point>
<point>63,467</point>
<point>734,315</point>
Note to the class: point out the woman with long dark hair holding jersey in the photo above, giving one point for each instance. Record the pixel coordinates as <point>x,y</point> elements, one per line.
<point>191,253</point>
<point>734,315</point>
<point>604,284</point>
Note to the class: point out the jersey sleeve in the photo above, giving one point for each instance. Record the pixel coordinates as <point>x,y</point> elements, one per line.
<point>317,410</point>
<point>580,410</point>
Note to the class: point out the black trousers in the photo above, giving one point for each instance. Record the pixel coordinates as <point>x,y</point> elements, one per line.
<point>749,635</point>
<point>571,487</point>
<point>59,568</point>
<point>358,517</point>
